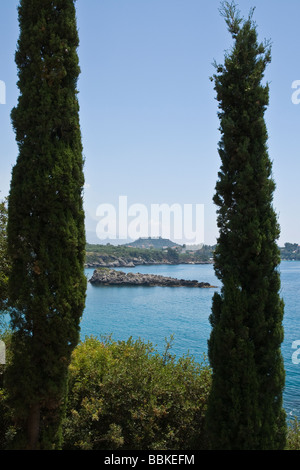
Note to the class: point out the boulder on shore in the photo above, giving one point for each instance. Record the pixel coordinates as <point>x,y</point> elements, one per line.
<point>111,277</point>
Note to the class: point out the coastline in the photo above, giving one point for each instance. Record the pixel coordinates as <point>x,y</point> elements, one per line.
<point>118,262</point>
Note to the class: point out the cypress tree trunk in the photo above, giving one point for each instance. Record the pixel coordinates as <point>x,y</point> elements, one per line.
<point>245,406</point>
<point>46,235</point>
<point>33,427</point>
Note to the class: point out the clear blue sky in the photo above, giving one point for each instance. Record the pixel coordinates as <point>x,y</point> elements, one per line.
<point>147,107</point>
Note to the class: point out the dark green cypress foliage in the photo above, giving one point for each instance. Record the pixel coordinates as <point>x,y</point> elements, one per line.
<point>245,405</point>
<point>46,235</point>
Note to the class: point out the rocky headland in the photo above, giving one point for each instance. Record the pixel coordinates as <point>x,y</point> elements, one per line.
<point>111,261</point>
<point>111,277</point>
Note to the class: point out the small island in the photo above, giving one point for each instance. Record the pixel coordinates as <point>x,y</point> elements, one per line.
<point>111,277</point>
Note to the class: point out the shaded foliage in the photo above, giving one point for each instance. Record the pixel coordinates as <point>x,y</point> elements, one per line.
<point>124,395</point>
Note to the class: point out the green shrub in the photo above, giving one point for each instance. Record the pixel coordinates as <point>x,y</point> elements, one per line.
<point>125,395</point>
<point>293,435</point>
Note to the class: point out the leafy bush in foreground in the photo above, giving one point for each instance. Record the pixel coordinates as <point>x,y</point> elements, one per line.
<point>125,395</point>
<point>293,435</point>
<point>92,417</point>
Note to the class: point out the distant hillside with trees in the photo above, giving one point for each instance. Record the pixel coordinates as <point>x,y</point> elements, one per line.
<point>161,250</point>
<point>158,251</point>
<point>290,251</point>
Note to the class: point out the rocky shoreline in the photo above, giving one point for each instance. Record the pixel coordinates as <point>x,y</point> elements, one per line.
<point>111,277</point>
<point>111,261</point>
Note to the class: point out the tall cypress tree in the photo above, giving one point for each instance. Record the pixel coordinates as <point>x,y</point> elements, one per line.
<point>46,236</point>
<point>245,405</point>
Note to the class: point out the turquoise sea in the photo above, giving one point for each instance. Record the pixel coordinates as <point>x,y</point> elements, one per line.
<point>155,313</point>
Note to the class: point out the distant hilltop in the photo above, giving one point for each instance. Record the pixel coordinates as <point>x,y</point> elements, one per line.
<point>157,243</point>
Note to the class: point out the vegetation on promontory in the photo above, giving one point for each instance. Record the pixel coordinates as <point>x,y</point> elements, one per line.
<point>129,256</point>
<point>151,251</point>
<point>290,252</point>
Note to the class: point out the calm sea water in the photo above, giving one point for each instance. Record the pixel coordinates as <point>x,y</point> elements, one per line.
<point>155,313</point>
